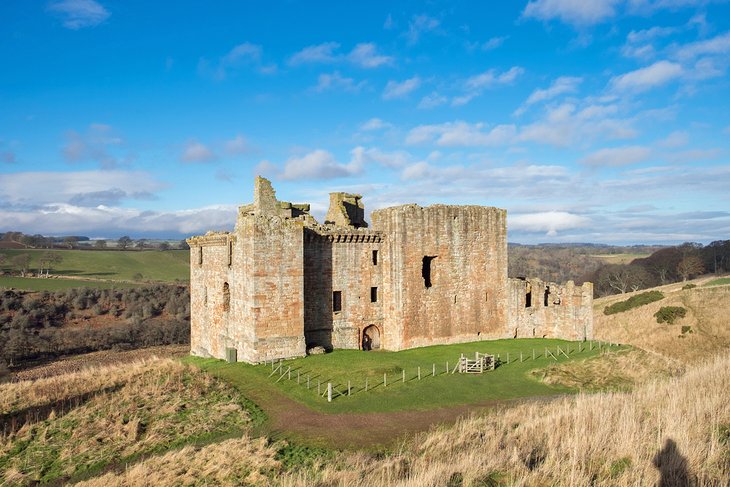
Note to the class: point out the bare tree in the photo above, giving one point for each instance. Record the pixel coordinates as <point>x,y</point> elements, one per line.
<point>21,262</point>
<point>690,266</point>
<point>124,242</point>
<point>47,260</point>
<point>100,244</point>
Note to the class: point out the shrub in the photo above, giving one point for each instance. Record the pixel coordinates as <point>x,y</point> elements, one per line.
<point>686,329</point>
<point>668,314</point>
<point>633,302</point>
<point>689,286</point>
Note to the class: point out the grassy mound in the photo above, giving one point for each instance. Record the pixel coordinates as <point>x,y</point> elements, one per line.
<point>74,425</point>
<point>633,302</point>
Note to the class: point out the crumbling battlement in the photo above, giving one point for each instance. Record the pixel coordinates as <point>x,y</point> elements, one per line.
<point>281,282</point>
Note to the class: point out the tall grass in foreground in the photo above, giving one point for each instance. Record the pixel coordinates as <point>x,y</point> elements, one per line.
<point>676,430</point>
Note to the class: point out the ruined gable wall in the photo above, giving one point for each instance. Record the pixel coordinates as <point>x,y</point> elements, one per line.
<point>566,311</point>
<point>340,260</point>
<point>210,331</point>
<point>467,299</point>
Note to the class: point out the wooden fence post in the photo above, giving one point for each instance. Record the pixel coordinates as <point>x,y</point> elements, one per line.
<point>507,357</point>
<point>520,356</point>
<point>419,373</point>
<point>433,372</point>
<point>329,392</point>
<point>348,388</point>
<point>404,376</point>
<point>447,367</point>
<point>297,377</point>
<point>385,379</point>
<point>366,384</point>
<point>533,354</point>
<point>288,372</point>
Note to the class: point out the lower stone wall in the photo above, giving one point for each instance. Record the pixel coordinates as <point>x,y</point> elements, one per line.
<point>539,309</point>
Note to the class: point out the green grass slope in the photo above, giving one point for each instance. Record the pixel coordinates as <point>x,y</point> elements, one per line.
<point>153,265</point>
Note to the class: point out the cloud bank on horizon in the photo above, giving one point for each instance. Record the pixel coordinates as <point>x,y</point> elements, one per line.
<point>600,121</point>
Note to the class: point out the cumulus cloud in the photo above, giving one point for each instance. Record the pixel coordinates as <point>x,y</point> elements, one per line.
<point>336,82</point>
<point>242,55</point>
<point>718,45</point>
<point>460,133</point>
<point>318,164</point>
<point>96,144</point>
<point>493,43</point>
<point>575,12</point>
<point>237,145</point>
<point>475,85</point>
<point>549,222</point>
<point>88,187</point>
<point>361,157</point>
<point>194,151</point>
<point>395,89</point>
<point>659,73</point>
<point>617,156</point>
<point>562,85</point>
<point>320,53</point>
<point>366,55</point>
<point>419,25</point>
<point>77,14</point>
<point>375,124</point>
<point>432,100</point>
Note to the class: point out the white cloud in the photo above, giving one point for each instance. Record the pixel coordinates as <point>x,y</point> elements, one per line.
<point>395,89</point>
<point>95,144</point>
<point>335,81</point>
<point>419,25</point>
<point>362,157</point>
<point>194,151</point>
<point>715,46</point>
<point>318,164</point>
<point>246,54</point>
<point>66,187</point>
<point>490,78</point>
<point>562,85</point>
<point>550,222</point>
<point>366,55</point>
<point>494,43</point>
<point>375,124</point>
<point>243,53</point>
<point>320,53</point>
<point>77,14</point>
<point>675,139</point>
<point>617,156</point>
<point>237,145</point>
<point>454,134</point>
<point>574,12</point>
<point>659,73</point>
<point>432,100</point>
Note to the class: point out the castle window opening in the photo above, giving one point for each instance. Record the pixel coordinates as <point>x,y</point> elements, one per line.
<point>528,297</point>
<point>200,255</point>
<point>375,257</point>
<point>426,270</point>
<point>547,294</point>
<point>336,301</point>
<point>373,294</point>
<point>230,253</point>
<point>226,297</point>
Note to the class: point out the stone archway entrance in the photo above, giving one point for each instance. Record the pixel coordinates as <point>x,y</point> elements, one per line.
<point>371,338</point>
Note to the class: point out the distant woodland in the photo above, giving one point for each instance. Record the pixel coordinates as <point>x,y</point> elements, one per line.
<point>44,325</point>
<point>582,263</point>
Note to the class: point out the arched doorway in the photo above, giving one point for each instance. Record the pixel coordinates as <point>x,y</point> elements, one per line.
<point>371,338</point>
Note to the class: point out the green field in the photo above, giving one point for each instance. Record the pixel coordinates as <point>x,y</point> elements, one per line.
<point>33,284</point>
<point>153,265</point>
<point>509,381</point>
<point>624,258</point>
<point>718,282</point>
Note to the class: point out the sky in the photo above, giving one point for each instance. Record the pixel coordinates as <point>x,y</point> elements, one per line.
<point>601,121</point>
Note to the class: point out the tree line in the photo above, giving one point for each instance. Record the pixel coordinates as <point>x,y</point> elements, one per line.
<point>124,242</point>
<point>45,325</point>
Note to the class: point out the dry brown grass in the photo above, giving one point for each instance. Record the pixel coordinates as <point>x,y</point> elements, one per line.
<point>601,439</point>
<point>152,406</point>
<point>708,310</point>
<point>243,461</point>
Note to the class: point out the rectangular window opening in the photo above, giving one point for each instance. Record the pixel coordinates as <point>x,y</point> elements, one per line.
<point>373,294</point>
<point>426,270</point>
<point>528,299</point>
<point>547,295</point>
<point>375,257</point>
<point>200,255</point>
<point>230,253</point>
<point>336,301</point>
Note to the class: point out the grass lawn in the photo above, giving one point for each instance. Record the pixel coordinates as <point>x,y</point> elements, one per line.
<point>509,381</point>
<point>619,258</point>
<point>154,265</point>
<point>719,281</point>
<point>33,284</point>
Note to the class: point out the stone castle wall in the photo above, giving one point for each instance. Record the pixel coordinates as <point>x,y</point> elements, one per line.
<point>269,288</point>
<point>464,251</point>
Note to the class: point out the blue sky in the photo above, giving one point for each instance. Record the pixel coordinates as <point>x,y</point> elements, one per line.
<point>602,121</point>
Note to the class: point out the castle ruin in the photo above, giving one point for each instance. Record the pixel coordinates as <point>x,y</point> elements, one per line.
<point>282,283</point>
